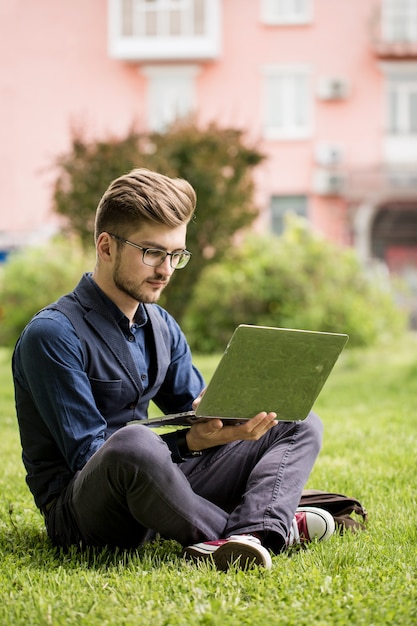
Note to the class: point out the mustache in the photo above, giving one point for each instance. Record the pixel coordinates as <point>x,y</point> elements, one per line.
<point>159,277</point>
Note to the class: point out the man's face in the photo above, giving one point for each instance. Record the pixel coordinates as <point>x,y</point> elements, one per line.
<point>132,276</point>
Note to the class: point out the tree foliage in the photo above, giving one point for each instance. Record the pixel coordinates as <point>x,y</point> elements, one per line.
<point>216,161</point>
<point>85,172</point>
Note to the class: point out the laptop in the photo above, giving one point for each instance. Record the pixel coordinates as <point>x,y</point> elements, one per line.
<point>265,369</point>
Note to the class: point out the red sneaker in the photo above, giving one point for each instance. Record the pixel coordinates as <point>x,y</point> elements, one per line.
<point>311,524</point>
<point>243,551</point>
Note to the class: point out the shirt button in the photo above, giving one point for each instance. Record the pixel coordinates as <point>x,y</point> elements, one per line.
<point>143,377</point>
<point>131,338</point>
<point>132,406</point>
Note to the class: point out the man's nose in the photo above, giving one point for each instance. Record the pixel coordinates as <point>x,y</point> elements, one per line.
<point>166,267</point>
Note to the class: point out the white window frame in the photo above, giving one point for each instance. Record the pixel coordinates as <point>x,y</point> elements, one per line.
<point>286,12</point>
<point>163,46</point>
<point>171,94</point>
<point>284,99</point>
<point>401,84</point>
<point>399,21</point>
<point>281,206</point>
<point>400,121</point>
<point>400,138</point>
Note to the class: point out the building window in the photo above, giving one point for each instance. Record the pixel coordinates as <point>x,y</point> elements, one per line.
<point>286,11</point>
<point>400,137</point>
<point>287,103</point>
<point>402,103</point>
<point>399,20</point>
<point>171,94</point>
<point>164,29</point>
<point>162,18</point>
<point>281,206</point>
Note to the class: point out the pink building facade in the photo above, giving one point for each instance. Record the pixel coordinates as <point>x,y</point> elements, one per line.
<point>327,89</point>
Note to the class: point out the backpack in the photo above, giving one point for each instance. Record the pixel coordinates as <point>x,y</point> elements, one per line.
<point>339,506</point>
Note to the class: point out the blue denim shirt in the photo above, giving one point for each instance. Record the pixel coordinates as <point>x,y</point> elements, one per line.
<point>61,424</point>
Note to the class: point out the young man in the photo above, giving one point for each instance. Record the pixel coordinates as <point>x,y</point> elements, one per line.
<point>88,364</point>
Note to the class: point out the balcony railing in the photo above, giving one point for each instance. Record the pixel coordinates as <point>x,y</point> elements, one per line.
<point>169,31</point>
<point>382,181</point>
<point>394,30</point>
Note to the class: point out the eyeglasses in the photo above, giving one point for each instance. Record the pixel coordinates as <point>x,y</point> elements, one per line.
<point>154,257</point>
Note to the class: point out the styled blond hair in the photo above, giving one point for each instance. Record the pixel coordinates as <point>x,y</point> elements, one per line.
<point>143,196</point>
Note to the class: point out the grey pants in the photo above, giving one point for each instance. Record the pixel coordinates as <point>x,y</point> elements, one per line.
<point>130,489</point>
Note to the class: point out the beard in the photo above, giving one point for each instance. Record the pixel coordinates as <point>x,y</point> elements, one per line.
<point>141,292</point>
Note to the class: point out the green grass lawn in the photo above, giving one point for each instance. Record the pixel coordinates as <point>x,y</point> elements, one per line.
<point>369,408</point>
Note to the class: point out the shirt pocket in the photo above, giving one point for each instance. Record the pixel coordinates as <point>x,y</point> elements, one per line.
<point>108,394</point>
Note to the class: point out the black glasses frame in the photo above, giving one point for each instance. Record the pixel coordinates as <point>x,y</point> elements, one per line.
<point>177,261</point>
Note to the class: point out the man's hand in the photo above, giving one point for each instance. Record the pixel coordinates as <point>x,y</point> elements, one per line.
<point>212,432</point>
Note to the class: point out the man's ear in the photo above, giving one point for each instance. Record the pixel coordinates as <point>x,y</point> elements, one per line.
<point>106,247</point>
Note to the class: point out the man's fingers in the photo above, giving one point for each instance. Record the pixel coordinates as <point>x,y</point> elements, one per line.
<point>261,421</point>
<point>211,432</point>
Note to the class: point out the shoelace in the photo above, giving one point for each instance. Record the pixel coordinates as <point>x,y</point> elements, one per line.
<point>294,534</point>
<point>247,537</point>
<point>220,542</point>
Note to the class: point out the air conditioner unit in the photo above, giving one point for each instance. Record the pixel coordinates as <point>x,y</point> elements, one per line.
<point>329,182</point>
<point>329,154</point>
<point>333,88</point>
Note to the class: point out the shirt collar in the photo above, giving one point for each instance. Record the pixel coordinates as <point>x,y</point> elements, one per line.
<point>140,317</point>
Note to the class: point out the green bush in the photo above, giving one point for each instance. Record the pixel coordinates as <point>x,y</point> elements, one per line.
<point>34,277</point>
<point>298,280</point>
<point>295,281</point>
